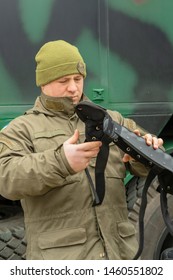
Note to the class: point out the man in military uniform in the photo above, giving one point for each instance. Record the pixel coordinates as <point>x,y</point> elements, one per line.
<point>43,163</point>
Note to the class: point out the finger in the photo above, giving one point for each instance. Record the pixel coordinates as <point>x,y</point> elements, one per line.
<point>137,132</point>
<point>73,139</point>
<point>148,139</point>
<point>88,146</point>
<point>160,142</point>
<point>126,158</point>
<point>157,142</point>
<point>91,154</point>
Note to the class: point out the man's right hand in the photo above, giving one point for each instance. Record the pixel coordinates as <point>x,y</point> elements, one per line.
<point>79,155</point>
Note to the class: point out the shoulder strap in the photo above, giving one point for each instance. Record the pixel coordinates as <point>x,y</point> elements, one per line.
<point>99,171</point>
<point>166,187</point>
<point>152,174</point>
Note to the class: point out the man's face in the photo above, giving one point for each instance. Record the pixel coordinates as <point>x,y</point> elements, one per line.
<point>67,86</point>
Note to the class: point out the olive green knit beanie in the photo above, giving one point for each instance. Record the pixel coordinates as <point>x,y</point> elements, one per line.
<point>56,59</point>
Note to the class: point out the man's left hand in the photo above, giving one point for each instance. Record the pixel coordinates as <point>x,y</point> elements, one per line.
<point>150,140</point>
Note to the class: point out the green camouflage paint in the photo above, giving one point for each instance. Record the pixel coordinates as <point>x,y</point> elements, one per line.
<point>127,46</point>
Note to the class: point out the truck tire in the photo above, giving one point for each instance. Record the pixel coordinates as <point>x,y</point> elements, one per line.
<point>156,235</point>
<point>12,233</point>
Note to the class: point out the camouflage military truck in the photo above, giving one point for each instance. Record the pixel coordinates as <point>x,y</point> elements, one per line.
<point>128,48</point>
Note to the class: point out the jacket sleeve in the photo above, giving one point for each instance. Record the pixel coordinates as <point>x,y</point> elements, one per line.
<point>25,173</point>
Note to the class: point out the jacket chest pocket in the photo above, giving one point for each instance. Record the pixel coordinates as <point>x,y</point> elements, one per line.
<point>50,139</point>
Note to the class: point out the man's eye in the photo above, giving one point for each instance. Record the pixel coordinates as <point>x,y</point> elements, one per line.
<point>78,79</point>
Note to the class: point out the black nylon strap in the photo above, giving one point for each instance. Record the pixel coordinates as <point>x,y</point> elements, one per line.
<point>165,213</point>
<point>165,187</point>
<point>99,172</point>
<point>96,200</point>
<point>152,174</point>
<point>163,202</point>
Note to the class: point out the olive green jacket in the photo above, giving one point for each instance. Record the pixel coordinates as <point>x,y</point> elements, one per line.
<point>60,221</point>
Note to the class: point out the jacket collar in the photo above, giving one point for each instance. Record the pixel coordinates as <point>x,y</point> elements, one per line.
<point>52,106</point>
<point>58,104</point>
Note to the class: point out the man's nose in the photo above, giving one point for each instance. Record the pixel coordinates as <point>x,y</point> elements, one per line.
<point>72,86</point>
